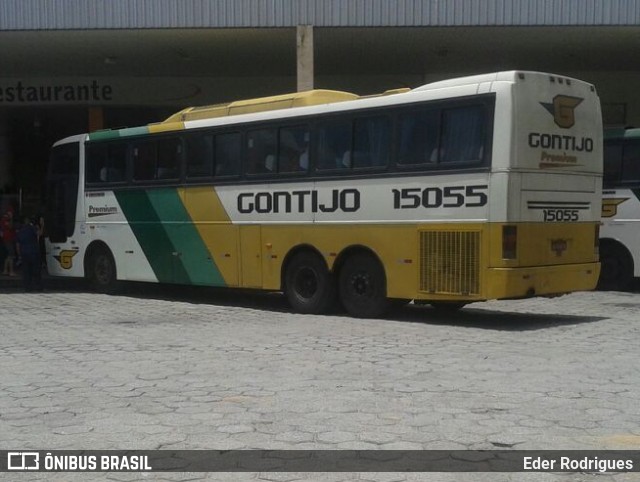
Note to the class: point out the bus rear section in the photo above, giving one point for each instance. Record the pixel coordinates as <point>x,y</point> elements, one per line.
<point>544,239</point>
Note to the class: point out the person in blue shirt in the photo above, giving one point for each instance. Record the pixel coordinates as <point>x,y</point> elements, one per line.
<point>28,248</point>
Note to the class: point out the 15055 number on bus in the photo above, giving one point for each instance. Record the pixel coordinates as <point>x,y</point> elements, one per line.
<point>440,197</point>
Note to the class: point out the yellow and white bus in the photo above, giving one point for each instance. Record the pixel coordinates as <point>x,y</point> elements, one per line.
<point>620,231</point>
<point>475,188</point>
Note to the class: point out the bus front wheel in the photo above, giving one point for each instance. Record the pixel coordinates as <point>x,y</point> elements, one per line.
<point>309,286</point>
<point>102,271</point>
<point>363,286</point>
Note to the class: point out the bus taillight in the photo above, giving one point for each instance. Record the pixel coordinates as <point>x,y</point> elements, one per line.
<point>509,242</point>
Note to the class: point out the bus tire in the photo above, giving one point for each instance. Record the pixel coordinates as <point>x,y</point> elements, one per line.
<point>309,286</point>
<point>102,272</point>
<point>363,286</point>
<point>616,267</point>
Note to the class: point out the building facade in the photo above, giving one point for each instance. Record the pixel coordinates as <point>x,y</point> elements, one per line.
<point>72,66</point>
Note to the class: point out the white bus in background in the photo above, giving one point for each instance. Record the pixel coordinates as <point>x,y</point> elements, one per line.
<point>475,188</point>
<point>620,231</point>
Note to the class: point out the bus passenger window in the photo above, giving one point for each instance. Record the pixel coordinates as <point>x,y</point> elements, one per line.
<point>293,149</point>
<point>96,165</point>
<point>418,138</point>
<point>261,152</point>
<point>463,134</point>
<point>371,142</point>
<point>144,161</point>
<point>334,146</point>
<point>199,155</point>
<point>169,157</point>
<point>228,154</point>
<point>117,162</point>
<point>106,163</point>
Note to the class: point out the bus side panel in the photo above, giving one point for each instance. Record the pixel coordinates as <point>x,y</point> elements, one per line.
<point>107,222</point>
<point>621,220</point>
<point>170,241</point>
<point>214,227</point>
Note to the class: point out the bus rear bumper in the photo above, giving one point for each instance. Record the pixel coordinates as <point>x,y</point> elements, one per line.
<point>506,283</point>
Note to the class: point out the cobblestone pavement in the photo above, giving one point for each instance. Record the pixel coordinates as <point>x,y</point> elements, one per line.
<point>167,368</point>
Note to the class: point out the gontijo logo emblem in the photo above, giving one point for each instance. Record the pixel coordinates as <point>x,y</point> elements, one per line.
<point>65,258</point>
<point>562,109</point>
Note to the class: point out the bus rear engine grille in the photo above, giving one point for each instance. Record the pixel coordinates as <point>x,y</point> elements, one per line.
<point>450,262</point>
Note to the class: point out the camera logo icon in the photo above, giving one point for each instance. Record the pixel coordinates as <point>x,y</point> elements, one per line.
<point>23,461</point>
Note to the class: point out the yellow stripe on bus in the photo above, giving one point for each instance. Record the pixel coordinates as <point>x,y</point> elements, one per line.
<point>214,227</point>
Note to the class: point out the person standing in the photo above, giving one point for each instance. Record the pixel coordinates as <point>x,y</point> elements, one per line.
<point>9,242</point>
<point>29,251</point>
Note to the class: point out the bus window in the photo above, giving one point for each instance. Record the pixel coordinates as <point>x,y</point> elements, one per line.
<point>463,134</point>
<point>228,149</point>
<point>199,155</point>
<point>97,163</point>
<point>293,149</point>
<point>418,138</point>
<point>106,163</point>
<point>334,145</point>
<point>261,152</point>
<point>169,157</point>
<point>144,161</point>
<point>62,191</point>
<point>371,142</point>
<point>612,162</point>
<point>631,162</point>
<point>117,162</point>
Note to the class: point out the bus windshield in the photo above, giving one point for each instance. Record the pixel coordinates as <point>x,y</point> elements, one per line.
<point>62,191</point>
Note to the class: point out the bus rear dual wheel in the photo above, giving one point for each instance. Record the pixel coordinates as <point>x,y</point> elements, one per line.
<point>311,288</point>
<point>616,267</point>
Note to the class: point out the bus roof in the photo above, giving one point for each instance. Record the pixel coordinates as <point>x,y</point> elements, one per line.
<point>311,98</point>
<point>262,104</point>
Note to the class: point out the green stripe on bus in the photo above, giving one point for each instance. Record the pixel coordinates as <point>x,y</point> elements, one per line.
<point>101,135</point>
<point>151,235</point>
<point>168,237</point>
<point>193,253</point>
<point>117,133</point>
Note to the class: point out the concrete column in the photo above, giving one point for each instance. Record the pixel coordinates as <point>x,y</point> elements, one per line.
<point>304,57</point>
<point>5,153</point>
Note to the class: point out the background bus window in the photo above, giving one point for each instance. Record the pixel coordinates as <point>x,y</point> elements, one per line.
<point>169,157</point>
<point>144,161</point>
<point>261,151</point>
<point>612,162</point>
<point>371,140</point>
<point>228,149</point>
<point>334,146</point>
<point>463,134</point>
<point>199,155</point>
<point>418,138</point>
<point>293,149</point>
<point>631,162</point>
